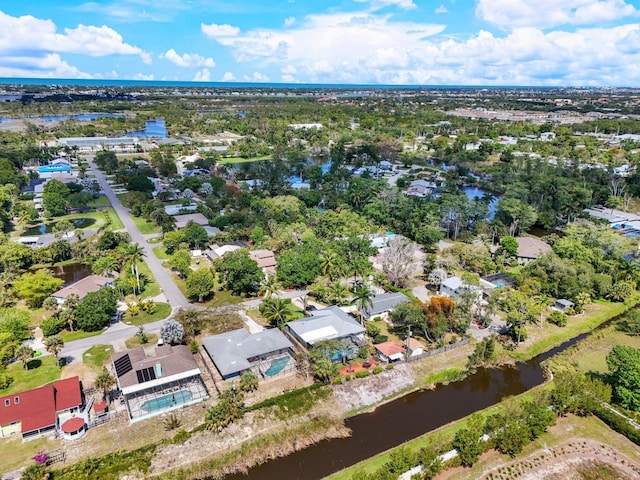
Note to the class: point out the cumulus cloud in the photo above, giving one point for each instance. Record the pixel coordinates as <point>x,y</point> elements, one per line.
<point>30,39</point>
<point>256,77</point>
<point>552,13</point>
<point>216,31</point>
<point>203,75</point>
<point>378,4</point>
<point>228,77</point>
<point>142,76</point>
<point>371,47</point>
<point>441,9</point>
<point>289,21</point>
<point>188,60</point>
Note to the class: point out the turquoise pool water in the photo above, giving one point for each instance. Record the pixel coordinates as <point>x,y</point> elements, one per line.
<point>276,366</point>
<point>169,400</point>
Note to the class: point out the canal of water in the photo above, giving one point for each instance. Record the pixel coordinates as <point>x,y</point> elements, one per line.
<point>406,418</point>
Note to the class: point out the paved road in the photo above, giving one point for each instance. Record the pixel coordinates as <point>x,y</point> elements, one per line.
<point>171,291</point>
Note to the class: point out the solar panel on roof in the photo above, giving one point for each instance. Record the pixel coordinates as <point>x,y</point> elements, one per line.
<point>146,374</point>
<point>123,365</point>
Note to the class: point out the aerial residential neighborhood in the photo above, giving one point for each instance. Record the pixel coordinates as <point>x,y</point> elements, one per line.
<point>195,293</point>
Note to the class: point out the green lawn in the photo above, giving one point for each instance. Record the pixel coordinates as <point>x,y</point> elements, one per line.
<point>163,310</point>
<point>145,226</point>
<point>42,370</point>
<point>123,199</point>
<point>134,341</point>
<point>77,335</point>
<point>219,299</point>
<point>97,356</point>
<point>161,253</point>
<point>116,223</point>
<point>229,160</point>
<point>152,289</point>
<point>100,201</point>
<point>541,340</point>
<point>591,354</point>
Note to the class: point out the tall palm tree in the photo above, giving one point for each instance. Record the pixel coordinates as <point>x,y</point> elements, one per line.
<point>338,292</point>
<point>54,345</point>
<point>132,254</point>
<point>328,263</point>
<point>363,298</point>
<point>105,265</point>
<point>24,353</point>
<point>269,286</point>
<point>105,381</point>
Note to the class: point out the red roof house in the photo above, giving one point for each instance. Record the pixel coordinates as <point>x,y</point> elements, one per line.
<point>390,351</point>
<point>34,411</point>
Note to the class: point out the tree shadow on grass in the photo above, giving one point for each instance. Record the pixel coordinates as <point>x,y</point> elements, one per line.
<point>35,363</point>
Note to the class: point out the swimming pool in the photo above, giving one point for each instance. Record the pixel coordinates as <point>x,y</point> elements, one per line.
<point>166,401</point>
<point>276,366</point>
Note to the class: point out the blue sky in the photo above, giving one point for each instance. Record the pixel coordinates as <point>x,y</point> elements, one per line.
<point>442,42</point>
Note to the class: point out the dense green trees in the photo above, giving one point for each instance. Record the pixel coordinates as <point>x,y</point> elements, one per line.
<point>239,273</point>
<point>624,375</point>
<point>33,288</point>
<point>200,283</point>
<point>55,198</point>
<point>96,309</point>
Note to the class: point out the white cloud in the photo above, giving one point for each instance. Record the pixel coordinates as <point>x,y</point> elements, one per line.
<point>378,4</point>
<point>35,45</point>
<point>142,76</point>
<point>441,9</point>
<point>188,60</point>
<point>288,79</point>
<point>203,75</point>
<point>289,21</point>
<point>552,13</point>
<point>132,11</point>
<point>228,77</point>
<point>216,31</point>
<point>256,77</point>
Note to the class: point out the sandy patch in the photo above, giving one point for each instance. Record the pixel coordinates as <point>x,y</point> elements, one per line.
<point>77,369</point>
<point>361,392</point>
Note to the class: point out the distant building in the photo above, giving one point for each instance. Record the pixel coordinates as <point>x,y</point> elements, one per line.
<point>454,287</point>
<point>265,259</point>
<point>267,353</point>
<point>153,384</point>
<point>47,171</point>
<point>530,248</point>
<point>383,304</point>
<point>197,218</point>
<point>390,351</point>
<point>305,126</point>
<point>563,305</point>
<point>99,143</point>
<point>421,188</point>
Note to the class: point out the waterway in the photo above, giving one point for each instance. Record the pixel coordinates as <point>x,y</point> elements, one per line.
<point>70,272</point>
<point>152,129</point>
<point>43,228</point>
<point>406,418</point>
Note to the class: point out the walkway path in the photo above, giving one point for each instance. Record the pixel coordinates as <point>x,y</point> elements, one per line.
<point>170,290</point>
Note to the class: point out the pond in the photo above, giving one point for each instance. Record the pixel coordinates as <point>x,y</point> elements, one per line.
<point>474,193</point>
<point>43,228</point>
<point>152,129</point>
<point>70,272</point>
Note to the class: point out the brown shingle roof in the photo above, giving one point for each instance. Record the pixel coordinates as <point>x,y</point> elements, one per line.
<point>172,360</point>
<point>529,247</point>
<point>87,285</point>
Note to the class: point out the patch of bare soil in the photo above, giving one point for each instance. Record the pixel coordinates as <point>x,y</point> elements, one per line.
<point>78,369</point>
<point>362,392</point>
<point>575,459</point>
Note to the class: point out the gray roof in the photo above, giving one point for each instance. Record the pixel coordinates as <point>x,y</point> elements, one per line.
<point>564,302</point>
<point>385,302</point>
<point>325,324</point>
<point>231,352</point>
<point>197,218</point>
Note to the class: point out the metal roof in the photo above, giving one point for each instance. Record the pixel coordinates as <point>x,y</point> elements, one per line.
<point>232,352</point>
<point>325,324</point>
<point>385,302</point>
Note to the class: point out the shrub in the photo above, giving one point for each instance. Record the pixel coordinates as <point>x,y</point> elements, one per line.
<point>377,370</point>
<point>558,318</point>
<point>389,367</point>
<point>347,378</point>
<point>181,437</point>
<point>380,339</point>
<point>51,326</point>
<point>373,330</point>
<point>362,374</point>
<point>194,346</point>
<point>171,422</point>
<point>338,381</point>
<point>5,381</point>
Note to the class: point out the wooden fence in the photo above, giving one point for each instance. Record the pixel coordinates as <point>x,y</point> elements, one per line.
<point>437,351</point>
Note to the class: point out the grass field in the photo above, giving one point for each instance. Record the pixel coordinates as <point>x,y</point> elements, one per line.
<point>100,201</point>
<point>231,160</point>
<point>145,226</point>
<point>161,253</point>
<point>77,335</point>
<point>220,297</point>
<point>152,289</point>
<point>134,341</point>
<point>97,356</point>
<point>163,310</point>
<point>541,340</point>
<point>42,370</point>
<point>116,223</point>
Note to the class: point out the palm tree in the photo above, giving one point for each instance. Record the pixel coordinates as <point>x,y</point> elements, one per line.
<point>105,265</point>
<point>132,254</point>
<point>269,286</point>
<point>105,381</point>
<point>338,292</point>
<point>275,310</point>
<point>24,353</point>
<point>51,304</point>
<point>54,345</point>
<point>328,263</point>
<point>363,298</point>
